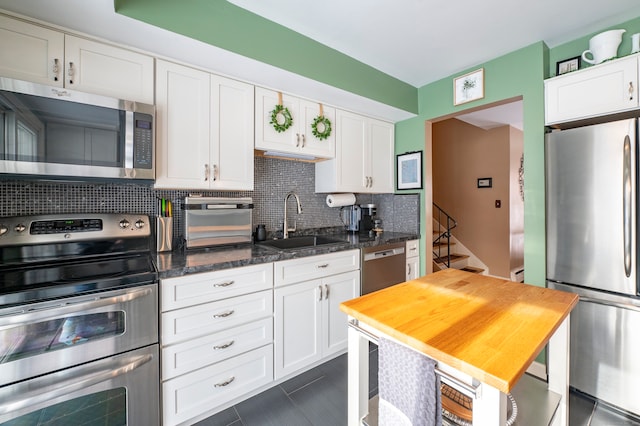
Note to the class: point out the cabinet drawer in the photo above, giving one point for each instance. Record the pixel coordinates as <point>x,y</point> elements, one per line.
<point>211,286</point>
<point>413,248</point>
<point>184,324</point>
<point>197,353</point>
<point>312,267</point>
<point>203,390</point>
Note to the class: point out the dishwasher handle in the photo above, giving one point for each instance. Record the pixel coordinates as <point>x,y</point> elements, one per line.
<point>383,254</point>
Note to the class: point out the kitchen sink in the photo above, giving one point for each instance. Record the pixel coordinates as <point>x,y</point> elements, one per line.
<point>300,242</point>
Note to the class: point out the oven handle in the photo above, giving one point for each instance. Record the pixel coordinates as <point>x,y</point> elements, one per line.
<point>61,308</point>
<point>81,381</point>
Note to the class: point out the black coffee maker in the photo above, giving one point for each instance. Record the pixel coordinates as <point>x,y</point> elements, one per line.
<point>367,216</point>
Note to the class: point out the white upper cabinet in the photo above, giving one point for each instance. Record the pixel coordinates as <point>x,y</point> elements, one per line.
<point>599,90</point>
<point>204,130</point>
<point>108,70</point>
<point>297,139</point>
<point>41,55</point>
<point>30,52</point>
<point>364,157</point>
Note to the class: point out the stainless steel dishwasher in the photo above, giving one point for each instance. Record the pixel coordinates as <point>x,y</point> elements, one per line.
<point>382,266</point>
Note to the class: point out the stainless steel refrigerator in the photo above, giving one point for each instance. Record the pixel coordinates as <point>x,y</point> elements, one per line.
<point>592,207</point>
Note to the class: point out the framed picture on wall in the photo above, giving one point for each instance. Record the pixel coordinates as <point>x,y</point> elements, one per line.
<point>468,87</point>
<point>409,170</point>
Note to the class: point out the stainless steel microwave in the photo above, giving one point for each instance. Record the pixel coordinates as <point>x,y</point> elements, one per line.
<point>55,132</point>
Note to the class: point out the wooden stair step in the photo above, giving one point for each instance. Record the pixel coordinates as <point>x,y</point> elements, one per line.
<point>441,244</point>
<point>454,258</point>
<point>472,269</point>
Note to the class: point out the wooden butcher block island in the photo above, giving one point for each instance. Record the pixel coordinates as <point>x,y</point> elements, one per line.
<point>483,330</point>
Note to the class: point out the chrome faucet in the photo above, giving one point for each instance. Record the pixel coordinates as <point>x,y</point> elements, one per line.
<point>286,229</point>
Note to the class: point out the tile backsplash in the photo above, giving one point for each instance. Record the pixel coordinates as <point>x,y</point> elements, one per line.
<point>274,178</point>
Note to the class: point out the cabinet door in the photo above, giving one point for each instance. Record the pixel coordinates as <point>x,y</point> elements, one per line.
<point>30,52</point>
<point>337,289</point>
<point>413,268</point>
<point>108,70</point>
<point>311,145</point>
<point>297,326</point>
<point>603,89</point>
<point>182,126</point>
<point>350,150</point>
<point>381,156</point>
<point>267,138</point>
<point>232,131</point>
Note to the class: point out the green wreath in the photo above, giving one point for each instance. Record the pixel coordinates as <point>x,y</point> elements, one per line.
<point>325,129</point>
<point>287,120</point>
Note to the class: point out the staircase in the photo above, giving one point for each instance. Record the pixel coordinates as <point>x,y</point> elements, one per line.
<point>444,242</point>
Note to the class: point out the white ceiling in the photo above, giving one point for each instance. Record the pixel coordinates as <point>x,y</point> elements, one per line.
<point>416,41</point>
<point>421,41</point>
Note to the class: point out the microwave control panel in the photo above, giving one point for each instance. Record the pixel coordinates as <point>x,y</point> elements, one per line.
<point>143,141</point>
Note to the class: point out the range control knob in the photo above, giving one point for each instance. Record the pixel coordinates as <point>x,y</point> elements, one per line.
<point>139,223</point>
<point>20,227</point>
<point>3,230</point>
<point>124,223</point>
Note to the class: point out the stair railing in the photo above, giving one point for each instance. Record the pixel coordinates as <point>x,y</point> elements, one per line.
<point>445,224</point>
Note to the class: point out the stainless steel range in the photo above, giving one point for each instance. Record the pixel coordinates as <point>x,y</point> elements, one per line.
<point>78,321</point>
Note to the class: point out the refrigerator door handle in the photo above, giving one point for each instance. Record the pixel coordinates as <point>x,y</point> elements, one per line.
<point>626,208</point>
<point>619,305</point>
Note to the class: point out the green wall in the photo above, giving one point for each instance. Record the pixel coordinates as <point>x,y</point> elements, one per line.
<point>222,24</point>
<point>517,74</point>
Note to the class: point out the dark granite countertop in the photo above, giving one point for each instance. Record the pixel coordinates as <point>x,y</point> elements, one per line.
<point>180,262</point>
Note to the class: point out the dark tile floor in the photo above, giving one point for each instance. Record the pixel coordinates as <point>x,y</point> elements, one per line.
<point>318,398</point>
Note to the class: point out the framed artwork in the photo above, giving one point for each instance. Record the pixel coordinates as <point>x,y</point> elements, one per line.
<point>409,170</point>
<point>468,87</point>
<point>568,65</point>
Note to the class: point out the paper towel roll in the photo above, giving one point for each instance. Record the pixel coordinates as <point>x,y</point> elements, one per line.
<point>340,200</point>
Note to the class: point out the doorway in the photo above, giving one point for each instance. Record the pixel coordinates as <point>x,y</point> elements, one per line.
<point>476,177</point>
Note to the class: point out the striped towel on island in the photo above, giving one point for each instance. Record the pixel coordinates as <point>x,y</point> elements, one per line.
<point>409,388</point>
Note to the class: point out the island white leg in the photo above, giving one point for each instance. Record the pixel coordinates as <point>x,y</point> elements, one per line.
<point>357,377</point>
<point>558,364</point>
<point>490,409</point>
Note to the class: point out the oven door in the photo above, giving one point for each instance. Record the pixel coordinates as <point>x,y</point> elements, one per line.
<point>42,337</point>
<point>119,390</point>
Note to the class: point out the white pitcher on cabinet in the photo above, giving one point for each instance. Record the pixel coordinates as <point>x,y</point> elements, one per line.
<point>603,46</point>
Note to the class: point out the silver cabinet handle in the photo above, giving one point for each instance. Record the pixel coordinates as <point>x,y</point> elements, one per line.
<point>320,291</point>
<point>304,140</point>
<point>224,284</point>
<point>225,346</point>
<point>408,270</point>
<point>626,204</point>
<point>206,172</point>
<point>225,383</point>
<point>631,90</point>
<point>71,72</point>
<point>56,69</point>
<point>215,172</point>
<point>297,140</point>
<point>224,314</point>
<point>323,266</point>
<point>326,291</point>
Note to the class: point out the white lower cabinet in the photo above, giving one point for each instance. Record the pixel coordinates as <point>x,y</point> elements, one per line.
<point>413,259</point>
<point>216,338</point>
<point>202,390</point>
<point>309,325</point>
